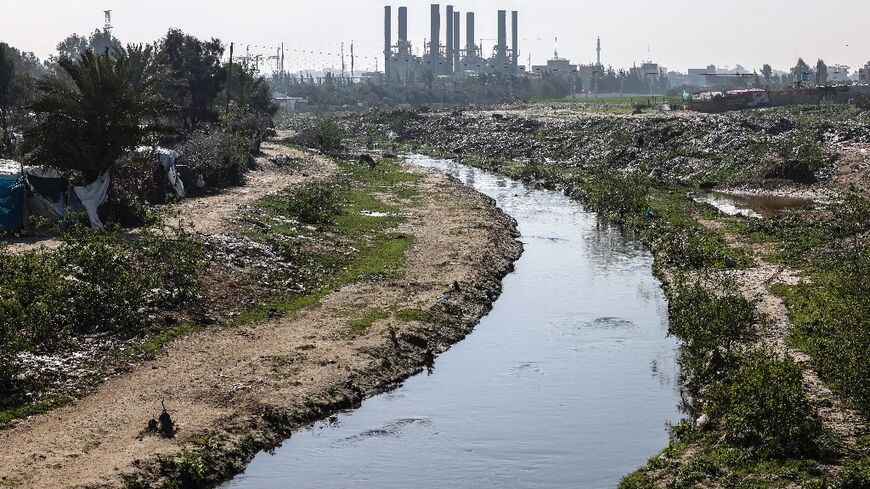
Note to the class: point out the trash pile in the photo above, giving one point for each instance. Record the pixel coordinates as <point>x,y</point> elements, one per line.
<point>667,147</point>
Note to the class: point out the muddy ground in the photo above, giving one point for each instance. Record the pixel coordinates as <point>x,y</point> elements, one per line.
<point>233,389</point>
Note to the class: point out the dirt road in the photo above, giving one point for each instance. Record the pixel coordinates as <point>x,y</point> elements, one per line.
<point>221,381</point>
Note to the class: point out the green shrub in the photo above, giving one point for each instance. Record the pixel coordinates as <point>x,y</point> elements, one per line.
<point>705,320</point>
<point>609,192</point>
<point>221,157</point>
<point>831,321</point>
<point>93,283</point>
<point>324,134</point>
<point>314,204</point>
<point>762,403</point>
<point>690,246</point>
<point>855,475</point>
<point>103,286</point>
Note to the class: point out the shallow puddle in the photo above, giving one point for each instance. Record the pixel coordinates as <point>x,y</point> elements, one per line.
<point>570,381</point>
<point>757,206</point>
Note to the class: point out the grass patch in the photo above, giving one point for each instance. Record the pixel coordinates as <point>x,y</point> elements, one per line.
<point>369,317</point>
<point>419,315</point>
<point>9,415</point>
<point>376,251</point>
<point>155,343</point>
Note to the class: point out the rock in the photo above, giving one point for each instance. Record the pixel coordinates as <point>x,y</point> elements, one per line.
<point>368,161</point>
<point>167,426</point>
<point>702,422</point>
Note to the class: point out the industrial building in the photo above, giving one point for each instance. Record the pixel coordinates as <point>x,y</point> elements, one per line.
<point>448,58</point>
<point>864,73</point>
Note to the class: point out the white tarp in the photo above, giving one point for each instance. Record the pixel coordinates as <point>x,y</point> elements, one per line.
<point>10,169</point>
<point>93,195</point>
<point>167,159</point>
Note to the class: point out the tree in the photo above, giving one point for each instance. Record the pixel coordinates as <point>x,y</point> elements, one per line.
<point>72,46</point>
<point>99,42</point>
<point>821,72</point>
<point>195,76</point>
<point>7,75</point>
<point>95,110</point>
<point>766,72</point>
<point>252,107</point>
<point>799,70</point>
<point>17,70</point>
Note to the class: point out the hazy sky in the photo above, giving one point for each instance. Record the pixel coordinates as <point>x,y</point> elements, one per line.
<point>679,34</point>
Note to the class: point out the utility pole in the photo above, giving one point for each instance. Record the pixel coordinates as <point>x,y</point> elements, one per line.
<point>351,62</point>
<point>229,81</point>
<point>342,60</point>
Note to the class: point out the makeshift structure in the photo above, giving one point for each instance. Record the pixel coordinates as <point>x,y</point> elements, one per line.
<point>93,195</point>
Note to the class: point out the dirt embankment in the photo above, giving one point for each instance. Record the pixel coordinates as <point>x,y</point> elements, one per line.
<point>245,387</point>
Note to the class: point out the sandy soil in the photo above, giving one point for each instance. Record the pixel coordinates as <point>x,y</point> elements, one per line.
<point>307,363</point>
<point>853,168</point>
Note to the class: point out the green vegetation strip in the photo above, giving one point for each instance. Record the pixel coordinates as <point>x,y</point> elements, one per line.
<point>341,212</point>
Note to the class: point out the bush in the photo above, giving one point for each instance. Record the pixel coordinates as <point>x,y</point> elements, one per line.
<point>831,322</point>
<point>762,403</point>
<point>705,320</point>
<point>220,157</point>
<point>691,246</point>
<point>93,283</point>
<point>323,134</point>
<point>801,156</point>
<point>314,204</point>
<point>616,194</point>
<point>855,475</point>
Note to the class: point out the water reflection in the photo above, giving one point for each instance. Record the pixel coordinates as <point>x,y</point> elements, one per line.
<point>756,206</point>
<point>570,381</point>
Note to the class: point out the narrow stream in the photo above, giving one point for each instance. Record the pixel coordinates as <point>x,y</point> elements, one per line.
<point>569,382</point>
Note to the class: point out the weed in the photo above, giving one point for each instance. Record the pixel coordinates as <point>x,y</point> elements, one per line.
<point>362,325</point>
<point>420,315</point>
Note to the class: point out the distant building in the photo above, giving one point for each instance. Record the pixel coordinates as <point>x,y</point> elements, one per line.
<point>838,73</point>
<point>864,73</point>
<point>697,77</point>
<point>588,74</point>
<point>557,66</point>
<point>292,104</point>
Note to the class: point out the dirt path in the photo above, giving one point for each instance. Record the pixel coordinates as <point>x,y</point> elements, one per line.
<point>221,381</point>
<point>209,215</point>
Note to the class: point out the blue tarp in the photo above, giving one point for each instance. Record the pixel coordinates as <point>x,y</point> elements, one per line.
<point>11,204</point>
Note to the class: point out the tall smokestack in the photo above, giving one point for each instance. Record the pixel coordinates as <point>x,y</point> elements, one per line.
<point>435,38</point>
<point>515,49</point>
<point>448,65</point>
<point>501,49</point>
<point>598,53</point>
<point>403,24</point>
<point>470,46</point>
<point>456,21</point>
<point>388,40</point>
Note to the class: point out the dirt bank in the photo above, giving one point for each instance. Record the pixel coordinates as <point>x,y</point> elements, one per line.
<point>235,390</point>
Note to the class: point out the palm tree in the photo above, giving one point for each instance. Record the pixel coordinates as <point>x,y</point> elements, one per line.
<point>96,109</point>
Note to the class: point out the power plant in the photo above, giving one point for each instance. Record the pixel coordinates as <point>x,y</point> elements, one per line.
<point>449,59</point>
